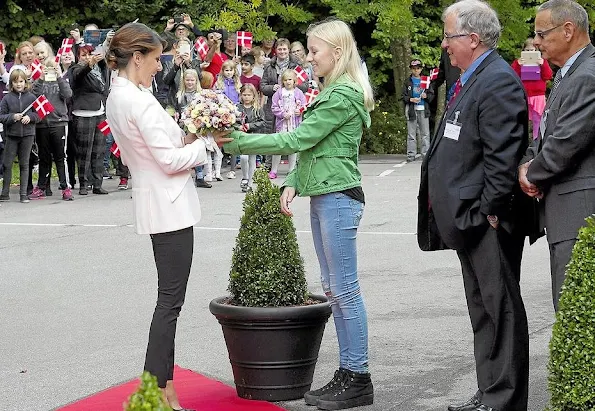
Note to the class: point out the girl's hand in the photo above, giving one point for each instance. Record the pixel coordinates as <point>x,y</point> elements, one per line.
<point>287,115</point>
<point>26,120</point>
<point>286,199</point>
<point>220,137</point>
<point>276,87</point>
<point>540,61</point>
<point>298,111</point>
<point>245,127</point>
<point>17,117</point>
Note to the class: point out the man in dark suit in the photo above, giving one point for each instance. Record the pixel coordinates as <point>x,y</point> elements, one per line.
<point>468,201</point>
<point>448,74</point>
<point>559,167</point>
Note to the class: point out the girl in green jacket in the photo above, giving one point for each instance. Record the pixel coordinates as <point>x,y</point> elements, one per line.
<point>327,171</point>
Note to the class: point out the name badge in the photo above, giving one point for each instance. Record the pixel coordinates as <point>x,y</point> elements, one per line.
<point>453,128</point>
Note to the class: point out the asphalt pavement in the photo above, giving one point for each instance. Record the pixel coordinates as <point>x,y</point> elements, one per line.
<point>78,287</point>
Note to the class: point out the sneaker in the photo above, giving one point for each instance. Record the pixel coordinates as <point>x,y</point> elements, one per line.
<point>100,190</point>
<point>354,390</point>
<point>231,174</point>
<point>24,199</point>
<point>244,186</point>
<point>218,177</point>
<point>67,194</point>
<point>200,182</point>
<point>311,397</point>
<point>4,197</point>
<point>106,175</point>
<point>123,184</point>
<point>48,192</point>
<point>36,194</point>
<point>272,175</point>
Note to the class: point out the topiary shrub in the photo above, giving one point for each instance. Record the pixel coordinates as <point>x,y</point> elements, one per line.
<point>267,269</point>
<point>572,347</point>
<point>147,397</point>
<point>388,132</point>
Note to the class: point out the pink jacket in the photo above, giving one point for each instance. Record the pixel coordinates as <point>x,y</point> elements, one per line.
<point>279,107</point>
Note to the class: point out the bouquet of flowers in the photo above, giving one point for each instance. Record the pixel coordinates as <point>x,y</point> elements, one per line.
<point>208,111</point>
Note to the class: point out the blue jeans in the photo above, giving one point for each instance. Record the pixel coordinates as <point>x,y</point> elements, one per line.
<point>109,140</point>
<point>335,218</point>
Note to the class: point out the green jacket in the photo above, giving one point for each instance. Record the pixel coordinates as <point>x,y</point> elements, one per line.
<point>327,141</point>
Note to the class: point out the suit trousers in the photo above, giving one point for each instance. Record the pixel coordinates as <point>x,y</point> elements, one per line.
<point>173,258</point>
<point>560,254</point>
<point>90,146</point>
<point>491,273</point>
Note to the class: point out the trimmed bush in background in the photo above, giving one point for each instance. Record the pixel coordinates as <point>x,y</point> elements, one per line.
<point>388,132</point>
<point>267,269</point>
<point>148,396</point>
<point>572,347</point>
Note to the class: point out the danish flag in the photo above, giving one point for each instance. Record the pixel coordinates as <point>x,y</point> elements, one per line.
<point>42,106</point>
<point>311,95</point>
<point>104,128</point>
<point>244,38</point>
<point>115,150</point>
<point>66,47</point>
<point>36,69</point>
<point>425,82</point>
<point>201,47</point>
<point>301,75</point>
<point>434,73</point>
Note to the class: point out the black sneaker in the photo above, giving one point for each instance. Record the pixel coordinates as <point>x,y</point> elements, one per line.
<point>4,197</point>
<point>48,192</point>
<point>25,199</point>
<point>354,390</point>
<point>100,191</point>
<point>107,175</point>
<point>311,397</point>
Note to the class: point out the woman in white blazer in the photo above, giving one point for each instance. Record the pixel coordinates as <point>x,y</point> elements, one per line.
<point>159,156</point>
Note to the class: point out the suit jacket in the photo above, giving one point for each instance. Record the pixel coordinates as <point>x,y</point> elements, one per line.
<point>563,164</point>
<point>467,179</point>
<point>151,145</point>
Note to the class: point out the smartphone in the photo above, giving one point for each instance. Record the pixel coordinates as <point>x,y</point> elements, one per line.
<point>531,58</point>
<point>178,19</point>
<point>50,74</point>
<point>184,47</point>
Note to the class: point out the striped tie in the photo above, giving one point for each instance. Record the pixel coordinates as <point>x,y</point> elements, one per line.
<point>557,79</point>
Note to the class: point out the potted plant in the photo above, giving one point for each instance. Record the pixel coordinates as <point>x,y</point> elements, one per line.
<point>271,325</point>
<point>572,347</point>
<point>148,396</point>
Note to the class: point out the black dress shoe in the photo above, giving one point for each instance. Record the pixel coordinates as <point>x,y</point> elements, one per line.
<point>483,407</point>
<point>83,191</point>
<point>470,405</point>
<point>100,191</point>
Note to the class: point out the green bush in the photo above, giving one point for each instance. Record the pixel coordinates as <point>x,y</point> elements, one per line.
<point>267,269</point>
<point>148,396</point>
<point>572,347</point>
<point>388,132</point>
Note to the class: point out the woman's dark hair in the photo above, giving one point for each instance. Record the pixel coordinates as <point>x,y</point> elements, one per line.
<point>129,39</point>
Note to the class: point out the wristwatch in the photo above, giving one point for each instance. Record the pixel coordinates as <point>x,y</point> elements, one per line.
<point>493,219</point>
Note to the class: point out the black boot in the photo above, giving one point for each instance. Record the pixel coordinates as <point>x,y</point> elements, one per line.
<point>354,390</point>
<point>311,397</point>
<point>200,182</point>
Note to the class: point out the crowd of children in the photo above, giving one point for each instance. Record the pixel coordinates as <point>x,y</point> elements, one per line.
<point>76,83</point>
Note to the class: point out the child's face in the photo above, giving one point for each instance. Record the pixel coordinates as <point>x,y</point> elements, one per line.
<point>416,71</point>
<point>41,54</point>
<point>260,58</point>
<point>530,48</point>
<point>246,67</point>
<point>289,83</point>
<point>190,83</point>
<point>228,72</point>
<point>19,84</point>
<point>247,97</point>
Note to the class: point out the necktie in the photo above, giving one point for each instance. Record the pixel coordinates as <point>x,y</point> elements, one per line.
<point>557,79</point>
<point>457,87</point>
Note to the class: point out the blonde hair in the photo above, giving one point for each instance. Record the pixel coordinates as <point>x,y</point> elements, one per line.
<point>23,44</point>
<point>337,34</point>
<point>207,79</point>
<point>14,76</point>
<point>289,73</point>
<point>48,51</point>
<point>182,88</point>
<point>229,64</point>
<point>250,87</point>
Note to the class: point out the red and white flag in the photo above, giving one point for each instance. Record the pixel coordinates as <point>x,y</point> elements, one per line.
<point>36,69</point>
<point>425,82</point>
<point>301,75</point>
<point>311,95</point>
<point>104,128</point>
<point>42,106</point>
<point>66,47</point>
<point>201,47</point>
<point>115,150</point>
<point>434,73</point>
<point>244,38</point>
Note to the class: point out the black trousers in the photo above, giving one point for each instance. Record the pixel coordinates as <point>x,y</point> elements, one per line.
<point>560,254</point>
<point>71,154</point>
<point>21,147</point>
<point>90,145</point>
<point>51,143</point>
<point>491,274</point>
<point>173,257</point>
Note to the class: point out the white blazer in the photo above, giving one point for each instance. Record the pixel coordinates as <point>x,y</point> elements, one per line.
<point>151,145</point>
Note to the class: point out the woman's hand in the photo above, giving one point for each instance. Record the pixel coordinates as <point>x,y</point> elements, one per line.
<point>190,138</point>
<point>220,137</point>
<point>17,117</point>
<point>178,59</point>
<point>286,199</point>
<point>26,120</point>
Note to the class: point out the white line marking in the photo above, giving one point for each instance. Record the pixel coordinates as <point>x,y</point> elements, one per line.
<point>385,173</point>
<point>400,164</point>
<point>196,227</point>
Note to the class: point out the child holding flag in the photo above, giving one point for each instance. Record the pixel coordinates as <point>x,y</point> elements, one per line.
<point>19,118</point>
<point>417,94</point>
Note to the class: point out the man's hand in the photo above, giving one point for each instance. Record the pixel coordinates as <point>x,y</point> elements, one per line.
<point>187,20</point>
<point>170,25</point>
<point>76,35</point>
<point>528,187</point>
<point>286,199</point>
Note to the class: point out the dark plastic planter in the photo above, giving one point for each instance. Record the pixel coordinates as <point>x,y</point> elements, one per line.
<point>273,351</point>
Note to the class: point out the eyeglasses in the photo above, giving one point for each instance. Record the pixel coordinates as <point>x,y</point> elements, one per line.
<point>454,36</point>
<point>541,34</point>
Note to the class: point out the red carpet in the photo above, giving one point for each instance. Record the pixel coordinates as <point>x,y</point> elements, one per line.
<point>194,390</point>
